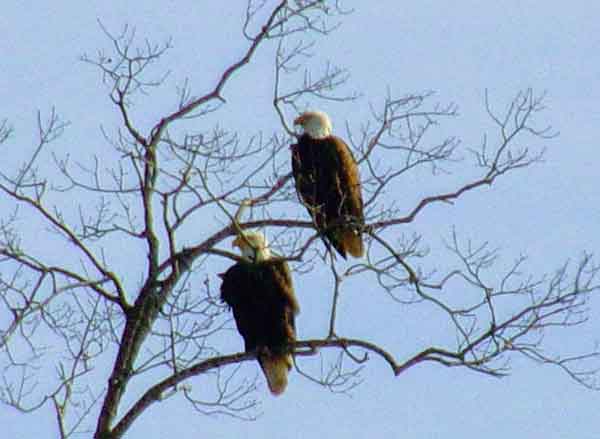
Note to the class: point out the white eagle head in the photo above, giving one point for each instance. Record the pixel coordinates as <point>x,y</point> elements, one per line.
<point>315,123</point>
<point>253,245</point>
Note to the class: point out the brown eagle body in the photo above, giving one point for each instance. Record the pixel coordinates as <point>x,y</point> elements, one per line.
<point>264,305</point>
<point>328,183</point>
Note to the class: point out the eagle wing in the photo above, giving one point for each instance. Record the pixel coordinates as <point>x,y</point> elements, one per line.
<point>263,302</point>
<point>342,203</point>
<point>238,291</point>
<point>348,194</point>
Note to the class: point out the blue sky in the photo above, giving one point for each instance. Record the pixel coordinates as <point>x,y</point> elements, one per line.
<point>549,212</point>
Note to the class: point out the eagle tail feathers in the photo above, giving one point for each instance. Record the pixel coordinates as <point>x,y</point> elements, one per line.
<point>275,368</point>
<point>353,243</point>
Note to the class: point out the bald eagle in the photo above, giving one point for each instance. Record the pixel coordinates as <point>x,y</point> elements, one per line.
<point>328,183</point>
<point>259,291</point>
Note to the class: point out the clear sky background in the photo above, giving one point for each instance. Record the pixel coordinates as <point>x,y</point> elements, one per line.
<point>549,212</point>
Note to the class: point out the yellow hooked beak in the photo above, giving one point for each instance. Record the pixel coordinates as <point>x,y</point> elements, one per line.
<point>300,120</point>
<point>237,242</point>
